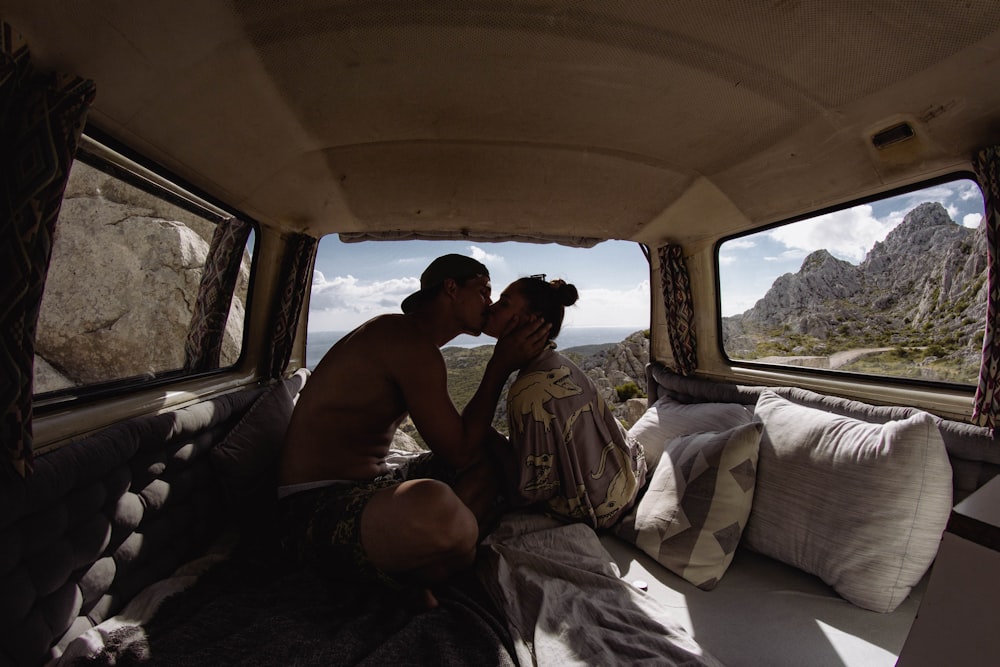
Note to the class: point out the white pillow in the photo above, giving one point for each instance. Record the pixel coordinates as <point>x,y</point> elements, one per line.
<point>860,505</point>
<point>667,419</point>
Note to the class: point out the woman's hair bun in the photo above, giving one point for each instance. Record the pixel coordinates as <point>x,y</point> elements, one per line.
<point>567,292</point>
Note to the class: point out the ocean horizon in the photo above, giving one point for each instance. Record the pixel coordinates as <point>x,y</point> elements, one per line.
<point>318,342</point>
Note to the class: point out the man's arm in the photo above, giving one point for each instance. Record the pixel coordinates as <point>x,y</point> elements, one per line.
<point>459,438</point>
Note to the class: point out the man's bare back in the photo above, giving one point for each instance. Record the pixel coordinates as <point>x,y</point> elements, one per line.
<point>352,405</point>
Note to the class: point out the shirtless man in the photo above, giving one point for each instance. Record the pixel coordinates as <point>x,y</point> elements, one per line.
<point>343,509</point>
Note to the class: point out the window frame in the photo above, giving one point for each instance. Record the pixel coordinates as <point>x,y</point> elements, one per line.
<point>99,151</point>
<point>829,374</point>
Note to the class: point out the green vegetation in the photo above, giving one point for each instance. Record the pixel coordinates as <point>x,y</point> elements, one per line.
<point>465,369</point>
<point>629,390</point>
<point>917,363</point>
<point>938,349</point>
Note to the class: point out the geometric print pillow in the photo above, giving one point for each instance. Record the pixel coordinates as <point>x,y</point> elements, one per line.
<point>694,510</point>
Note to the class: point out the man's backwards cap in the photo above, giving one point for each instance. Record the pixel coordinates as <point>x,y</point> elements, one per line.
<point>446,266</point>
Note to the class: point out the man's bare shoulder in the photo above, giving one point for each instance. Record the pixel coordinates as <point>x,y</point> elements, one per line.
<point>383,345</point>
<point>388,332</point>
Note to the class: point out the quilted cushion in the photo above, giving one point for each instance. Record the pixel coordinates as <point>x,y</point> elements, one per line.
<point>695,508</point>
<point>860,505</point>
<point>248,456</point>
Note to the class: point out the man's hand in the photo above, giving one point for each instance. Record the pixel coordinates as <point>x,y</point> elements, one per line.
<point>521,341</point>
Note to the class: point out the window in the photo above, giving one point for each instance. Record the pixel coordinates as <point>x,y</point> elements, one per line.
<point>606,329</point>
<point>127,261</point>
<point>894,288</point>
<point>354,282</point>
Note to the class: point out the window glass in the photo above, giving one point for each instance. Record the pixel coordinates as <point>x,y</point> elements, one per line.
<point>895,287</point>
<point>122,283</point>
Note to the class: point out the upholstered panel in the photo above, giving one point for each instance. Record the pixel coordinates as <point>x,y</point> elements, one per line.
<point>102,518</point>
<point>972,450</point>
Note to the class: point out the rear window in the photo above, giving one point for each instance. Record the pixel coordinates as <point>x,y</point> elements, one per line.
<point>606,332</point>
<point>892,288</point>
<point>125,272</point>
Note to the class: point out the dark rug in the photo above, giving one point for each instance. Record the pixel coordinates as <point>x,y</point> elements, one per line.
<point>254,610</point>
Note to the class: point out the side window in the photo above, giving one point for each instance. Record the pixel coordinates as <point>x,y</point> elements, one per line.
<point>893,288</point>
<point>126,266</point>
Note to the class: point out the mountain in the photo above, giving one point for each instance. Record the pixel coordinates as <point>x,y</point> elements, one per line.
<point>923,287</point>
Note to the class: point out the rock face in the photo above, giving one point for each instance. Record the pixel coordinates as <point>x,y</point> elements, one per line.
<point>617,365</point>
<point>925,281</point>
<point>620,364</point>
<point>121,286</point>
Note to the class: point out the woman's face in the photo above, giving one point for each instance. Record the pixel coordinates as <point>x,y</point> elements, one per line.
<point>510,304</point>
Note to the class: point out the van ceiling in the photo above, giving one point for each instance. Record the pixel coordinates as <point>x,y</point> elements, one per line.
<point>646,120</point>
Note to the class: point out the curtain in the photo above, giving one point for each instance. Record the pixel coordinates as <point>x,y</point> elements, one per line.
<point>987,401</point>
<point>41,118</point>
<point>679,306</point>
<point>295,273</point>
<point>203,346</point>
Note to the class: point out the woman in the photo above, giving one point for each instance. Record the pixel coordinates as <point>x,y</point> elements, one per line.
<point>569,452</point>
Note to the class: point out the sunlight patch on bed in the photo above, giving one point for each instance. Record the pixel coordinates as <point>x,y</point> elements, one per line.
<point>839,639</point>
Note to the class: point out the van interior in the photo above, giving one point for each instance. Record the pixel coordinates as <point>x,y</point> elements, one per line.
<point>169,171</point>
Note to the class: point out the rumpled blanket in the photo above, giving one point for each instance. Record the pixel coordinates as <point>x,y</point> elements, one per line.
<point>566,604</point>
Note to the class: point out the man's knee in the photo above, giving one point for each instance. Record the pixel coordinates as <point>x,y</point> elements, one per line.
<point>441,516</point>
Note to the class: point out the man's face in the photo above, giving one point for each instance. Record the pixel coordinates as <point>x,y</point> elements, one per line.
<point>473,299</point>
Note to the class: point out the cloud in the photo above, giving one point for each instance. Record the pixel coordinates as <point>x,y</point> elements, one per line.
<point>968,190</point>
<point>847,234</point>
<point>344,302</point>
<point>486,258</point>
<point>734,246</point>
<point>629,306</point>
<point>972,220</point>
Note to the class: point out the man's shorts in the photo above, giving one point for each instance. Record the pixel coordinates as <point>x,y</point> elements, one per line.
<point>321,526</point>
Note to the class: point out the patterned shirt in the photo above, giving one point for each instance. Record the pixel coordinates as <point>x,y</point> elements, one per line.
<point>571,453</point>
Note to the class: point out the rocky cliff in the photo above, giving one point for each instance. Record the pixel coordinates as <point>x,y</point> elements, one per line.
<point>924,285</point>
<point>118,298</point>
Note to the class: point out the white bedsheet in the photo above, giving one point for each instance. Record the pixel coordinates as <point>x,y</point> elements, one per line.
<point>567,605</point>
<point>768,614</point>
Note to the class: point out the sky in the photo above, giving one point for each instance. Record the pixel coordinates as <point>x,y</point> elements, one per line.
<point>354,282</point>
<point>749,265</point>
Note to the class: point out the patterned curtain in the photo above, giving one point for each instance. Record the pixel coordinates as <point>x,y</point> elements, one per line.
<point>295,273</point>
<point>203,346</point>
<point>41,119</point>
<point>987,403</point>
<point>679,306</point>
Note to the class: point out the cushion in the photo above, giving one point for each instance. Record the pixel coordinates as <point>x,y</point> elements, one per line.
<point>694,510</point>
<point>248,456</point>
<point>860,505</point>
<point>667,419</point>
